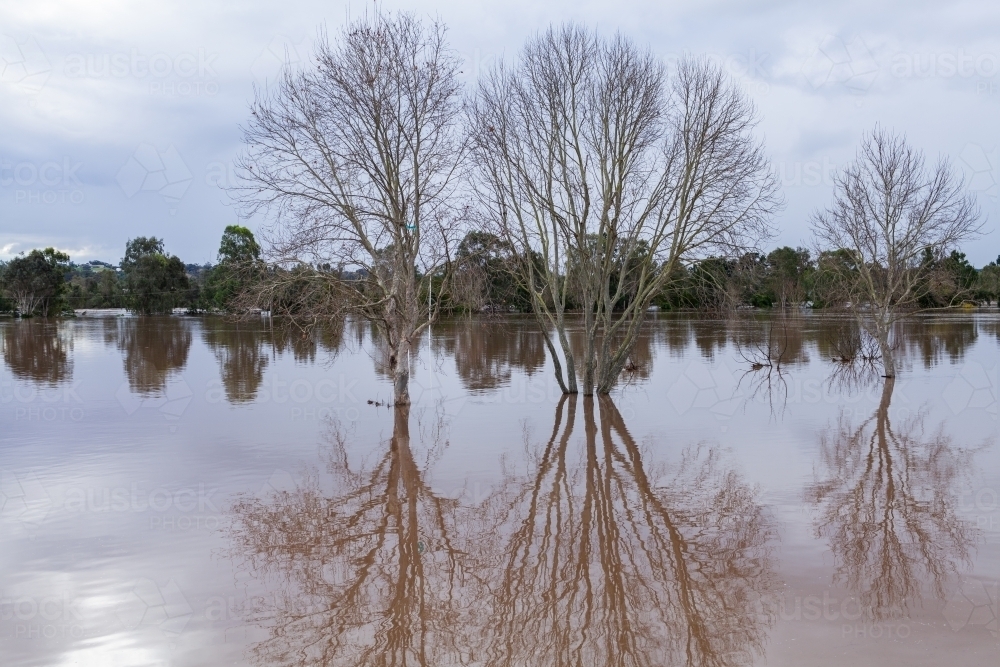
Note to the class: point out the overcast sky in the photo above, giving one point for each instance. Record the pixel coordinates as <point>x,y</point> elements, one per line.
<point>121,118</point>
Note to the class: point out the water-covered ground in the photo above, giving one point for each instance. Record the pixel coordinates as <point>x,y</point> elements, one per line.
<point>192,491</point>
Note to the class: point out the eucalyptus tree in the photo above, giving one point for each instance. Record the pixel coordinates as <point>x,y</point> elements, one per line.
<point>154,282</point>
<point>354,158</point>
<point>890,212</point>
<point>36,281</point>
<point>606,172</point>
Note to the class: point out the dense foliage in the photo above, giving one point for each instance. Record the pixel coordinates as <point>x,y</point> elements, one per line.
<point>34,283</point>
<point>148,280</point>
<point>154,282</point>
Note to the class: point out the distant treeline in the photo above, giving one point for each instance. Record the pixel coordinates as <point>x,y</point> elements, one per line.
<point>783,278</point>
<point>149,280</point>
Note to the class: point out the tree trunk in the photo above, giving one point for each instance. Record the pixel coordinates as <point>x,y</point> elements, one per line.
<point>888,364</point>
<point>883,327</point>
<point>399,363</point>
<point>589,351</point>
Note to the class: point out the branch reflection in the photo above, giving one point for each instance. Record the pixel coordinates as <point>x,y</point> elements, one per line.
<point>888,505</point>
<point>602,565</point>
<point>594,556</point>
<point>368,575</point>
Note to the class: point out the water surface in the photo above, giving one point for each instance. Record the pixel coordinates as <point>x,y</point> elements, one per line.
<point>193,491</point>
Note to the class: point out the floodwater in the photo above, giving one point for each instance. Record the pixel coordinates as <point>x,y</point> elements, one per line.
<point>179,492</point>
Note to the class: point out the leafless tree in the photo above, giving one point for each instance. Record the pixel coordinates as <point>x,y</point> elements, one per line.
<point>354,159</point>
<point>888,208</point>
<point>605,175</point>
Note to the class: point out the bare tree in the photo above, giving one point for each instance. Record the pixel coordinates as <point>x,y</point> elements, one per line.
<point>605,176</point>
<point>354,157</point>
<point>888,208</point>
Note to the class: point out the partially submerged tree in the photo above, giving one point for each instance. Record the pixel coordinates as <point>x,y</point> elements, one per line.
<point>239,266</point>
<point>154,281</point>
<point>788,270</point>
<point>34,282</point>
<point>889,208</point>
<point>354,158</point>
<point>589,156</point>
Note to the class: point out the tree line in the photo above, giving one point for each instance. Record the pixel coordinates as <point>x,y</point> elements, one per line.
<point>151,281</point>
<point>147,281</point>
<point>583,181</point>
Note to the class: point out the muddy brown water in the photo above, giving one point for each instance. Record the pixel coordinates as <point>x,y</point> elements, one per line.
<point>191,491</point>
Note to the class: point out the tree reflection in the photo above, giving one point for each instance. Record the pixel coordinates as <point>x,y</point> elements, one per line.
<point>931,338</point>
<point>888,507</point>
<point>240,352</point>
<point>154,348</point>
<point>34,350</point>
<point>600,565</point>
<point>601,560</point>
<point>368,575</point>
<point>485,351</point>
<point>711,336</point>
<point>304,344</point>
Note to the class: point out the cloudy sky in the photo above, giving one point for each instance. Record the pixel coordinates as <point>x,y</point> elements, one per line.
<point>121,118</point>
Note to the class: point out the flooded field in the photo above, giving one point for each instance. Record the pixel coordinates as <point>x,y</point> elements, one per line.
<point>181,492</point>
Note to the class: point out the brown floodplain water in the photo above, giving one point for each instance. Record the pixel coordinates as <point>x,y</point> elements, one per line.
<point>181,492</point>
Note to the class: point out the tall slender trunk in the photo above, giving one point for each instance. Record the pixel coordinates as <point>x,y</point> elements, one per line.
<point>589,351</point>
<point>883,328</point>
<point>888,363</point>
<point>399,363</point>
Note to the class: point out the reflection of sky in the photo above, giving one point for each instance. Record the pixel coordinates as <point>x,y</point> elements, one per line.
<point>165,476</point>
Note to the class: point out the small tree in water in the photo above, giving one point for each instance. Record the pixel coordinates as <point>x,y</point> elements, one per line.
<point>354,158</point>
<point>34,282</point>
<point>154,281</point>
<point>238,268</point>
<point>889,211</point>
